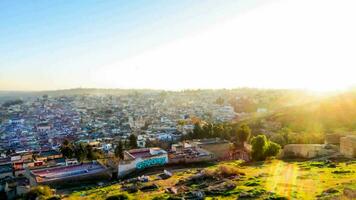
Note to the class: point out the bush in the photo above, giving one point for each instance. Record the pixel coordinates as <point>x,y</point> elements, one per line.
<point>272,149</point>
<point>39,192</point>
<point>259,147</point>
<point>263,148</point>
<point>223,171</point>
<point>227,171</point>
<point>118,197</point>
<point>54,198</point>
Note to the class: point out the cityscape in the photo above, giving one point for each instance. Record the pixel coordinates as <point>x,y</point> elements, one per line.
<point>177,100</point>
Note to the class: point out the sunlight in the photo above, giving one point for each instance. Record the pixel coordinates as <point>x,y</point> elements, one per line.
<point>283,178</point>
<point>275,52</point>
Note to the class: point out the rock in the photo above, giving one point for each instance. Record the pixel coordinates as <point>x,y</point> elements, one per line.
<point>330,191</point>
<point>220,188</point>
<point>149,187</point>
<point>245,195</point>
<point>349,193</point>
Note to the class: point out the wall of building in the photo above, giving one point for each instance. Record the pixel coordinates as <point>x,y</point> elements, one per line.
<point>333,138</point>
<point>302,150</point>
<point>126,167</point>
<point>153,161</point>
<point>348,146</point>
<point>220,150</point>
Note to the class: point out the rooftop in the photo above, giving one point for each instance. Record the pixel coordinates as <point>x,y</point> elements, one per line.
<point>5,168</point>
<point>146,152</point>
<point>57,173</point>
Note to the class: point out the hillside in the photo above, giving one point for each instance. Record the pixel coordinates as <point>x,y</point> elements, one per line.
<point>269,180</point>
<point>334,114</point>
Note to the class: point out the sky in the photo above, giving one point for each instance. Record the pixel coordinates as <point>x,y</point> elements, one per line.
<point>173,45</point>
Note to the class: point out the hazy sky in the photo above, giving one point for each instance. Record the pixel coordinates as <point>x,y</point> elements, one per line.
<point>177,44</point>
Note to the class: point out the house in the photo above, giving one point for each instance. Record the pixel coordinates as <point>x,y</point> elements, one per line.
<point>220,148</point>
<point>138,159</point>
<point>241,152</point>
<point>43,126</point>
<point>141,141</point>
<point>48,155</point>
<point>16,187</point>
<point>185,153</point>
<point>16,121</point>
<point>6,170</point>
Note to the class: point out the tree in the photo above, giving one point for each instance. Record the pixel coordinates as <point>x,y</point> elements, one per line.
<point>67,149</point>
<point>259,147</point>
<point>272,149</point>
<point>90,154</point>
<point>262,148</point>
<point>243,133</point>
<point>197,131</point>
<point>80,152</point>
<point>133,141</point>
<point>119,151</point>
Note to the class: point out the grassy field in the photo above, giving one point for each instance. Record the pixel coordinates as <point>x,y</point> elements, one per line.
<point>273,179</point>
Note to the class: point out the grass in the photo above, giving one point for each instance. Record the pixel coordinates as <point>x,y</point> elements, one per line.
<point>269,180</point>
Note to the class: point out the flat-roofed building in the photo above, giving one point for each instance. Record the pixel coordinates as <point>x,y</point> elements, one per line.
<point>181,153</point>
<point>218,147</point>
<point>6,170</point>
<point>138,159</point>
<point>64,174</point>
<point>48,155</point>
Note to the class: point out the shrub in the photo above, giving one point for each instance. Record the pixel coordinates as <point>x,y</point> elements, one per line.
<point>259,147</point>
<point>272,149</point>
<point>39,192</point>
<point>118,197</point>
<point>262,148</point>
<point>227,171</point>
<point>222,171</point>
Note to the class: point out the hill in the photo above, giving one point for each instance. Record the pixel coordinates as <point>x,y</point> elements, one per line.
<point>230,180</point>
<point>335,114</point>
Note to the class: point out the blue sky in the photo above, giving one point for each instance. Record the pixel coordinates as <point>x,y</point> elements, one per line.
<point>66,44</point>
<point>47,40</point>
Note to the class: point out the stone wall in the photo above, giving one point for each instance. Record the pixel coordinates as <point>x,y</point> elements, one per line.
<point>333,138</point>
<point>221,151</point>
<point>302,150</point>
<point>348,146</point>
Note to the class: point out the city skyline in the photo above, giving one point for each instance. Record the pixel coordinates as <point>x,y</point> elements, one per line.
<point>177,45</point>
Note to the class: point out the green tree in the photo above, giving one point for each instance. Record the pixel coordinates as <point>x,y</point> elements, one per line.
<point>67,149</point>
<point>243,133</point>
<point>80,152</point>
<point>90,153</point>
<point>197,131</point>
<point>133,141</point>
<point>272,149</point>
<point>119,150</point>
<point>262,148</point>
<point>259,147</point>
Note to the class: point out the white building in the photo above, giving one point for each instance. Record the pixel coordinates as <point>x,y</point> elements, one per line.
<point>138,159</point>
